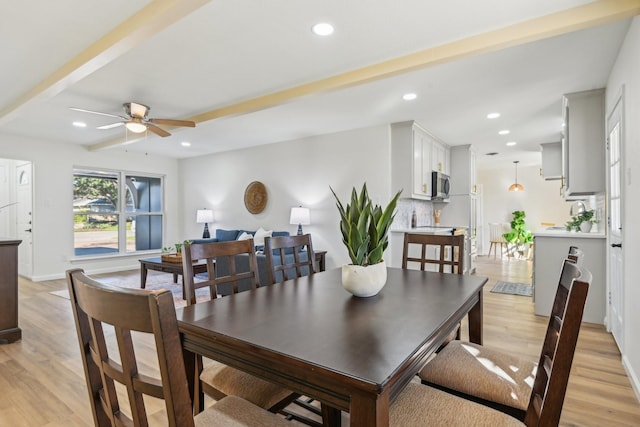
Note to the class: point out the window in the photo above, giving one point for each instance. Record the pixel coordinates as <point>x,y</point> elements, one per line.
<point>116,212</point>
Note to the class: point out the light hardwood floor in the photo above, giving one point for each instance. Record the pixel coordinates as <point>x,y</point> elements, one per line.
<point>42,381</point>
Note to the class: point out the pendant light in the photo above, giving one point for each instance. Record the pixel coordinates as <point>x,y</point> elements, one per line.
<point>516,186</point>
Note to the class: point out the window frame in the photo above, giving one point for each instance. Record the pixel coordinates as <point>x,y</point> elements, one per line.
<point>121,209</point>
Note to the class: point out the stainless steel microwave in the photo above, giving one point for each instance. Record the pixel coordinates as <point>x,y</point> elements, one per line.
<point>440,186</point>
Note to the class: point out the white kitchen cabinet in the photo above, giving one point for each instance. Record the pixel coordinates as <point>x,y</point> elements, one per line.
<point>463,173</point>
<point>440,156</point>
<point>583,145</point>
<point>411,160</point>
<point>550,248</point>
<point>551,160</point>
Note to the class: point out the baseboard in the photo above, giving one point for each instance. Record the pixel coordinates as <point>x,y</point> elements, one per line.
<point>58,276</point>
<point>633,378</point>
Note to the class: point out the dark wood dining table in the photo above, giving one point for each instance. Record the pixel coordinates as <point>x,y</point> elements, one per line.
<point>313,337</point>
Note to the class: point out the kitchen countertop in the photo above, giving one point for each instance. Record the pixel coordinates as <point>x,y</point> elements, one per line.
<point>570,234</point>
<point>425,230</point>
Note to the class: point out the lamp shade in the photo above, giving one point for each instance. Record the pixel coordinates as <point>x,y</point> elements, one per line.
<point>204,216</point>
<point>300,216</point>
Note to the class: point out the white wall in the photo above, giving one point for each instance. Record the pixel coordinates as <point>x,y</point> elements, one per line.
<point>295,173</point>
<point>626,73</point>
<point>53,199</point>
<point>541,200</point>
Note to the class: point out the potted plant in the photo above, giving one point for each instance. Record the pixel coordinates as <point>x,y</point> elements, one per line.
<point>519,235</point>
<point>365,227</point>
<point>174,253</point>
<point>582,222</point>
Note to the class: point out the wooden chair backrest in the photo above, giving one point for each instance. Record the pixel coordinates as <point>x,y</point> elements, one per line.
<point>554,366</point>
<point>299,262</point>
<point>450,251</point>
<point>142,311</point>
<point>496,232</point>
<point>210,252</point>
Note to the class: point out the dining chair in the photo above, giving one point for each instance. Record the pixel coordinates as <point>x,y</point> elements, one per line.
<point>511,384</point>
<point>112,324</point>
<point>441,250</point>
<point>211,253</point>
<point>496,237</point>
<point>217,379</point>
<point>289,257</point>
<point>445,251</point>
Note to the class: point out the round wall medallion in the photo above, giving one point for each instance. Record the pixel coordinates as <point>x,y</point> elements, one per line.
<point>255,197</point>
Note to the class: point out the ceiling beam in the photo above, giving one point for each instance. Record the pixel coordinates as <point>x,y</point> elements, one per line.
<point>582,17</point>
<point>578,18</point>
<point>147,22</point>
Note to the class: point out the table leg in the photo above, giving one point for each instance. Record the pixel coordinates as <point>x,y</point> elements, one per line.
<point>475,321</point>
<point>143,275</point>
<point>331,417</point>
<point>368,410</point>
<point>175,277</point>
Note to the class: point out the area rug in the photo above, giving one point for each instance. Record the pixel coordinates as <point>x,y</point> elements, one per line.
<point>523,289</point>
<point>155,281</point>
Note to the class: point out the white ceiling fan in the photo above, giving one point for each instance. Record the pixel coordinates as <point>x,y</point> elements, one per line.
<point>137,119</point>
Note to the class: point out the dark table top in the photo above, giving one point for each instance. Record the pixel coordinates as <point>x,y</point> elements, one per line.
<point>315,323</point>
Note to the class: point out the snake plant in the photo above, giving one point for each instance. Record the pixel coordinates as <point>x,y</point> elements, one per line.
<point>365,226</point>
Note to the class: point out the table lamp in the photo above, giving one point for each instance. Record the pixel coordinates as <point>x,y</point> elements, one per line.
<point>204,216</point>
<point>301,217</point>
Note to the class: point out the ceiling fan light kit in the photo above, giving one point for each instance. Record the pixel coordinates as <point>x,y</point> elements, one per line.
<point>137,120</point>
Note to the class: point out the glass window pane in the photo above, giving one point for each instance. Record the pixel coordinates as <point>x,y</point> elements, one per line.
<point>95,234</point>
<point>144,232</point>
<point>144,194</point>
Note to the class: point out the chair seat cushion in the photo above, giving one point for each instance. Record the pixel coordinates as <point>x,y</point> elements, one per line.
<point>233,382</point>
<point>482,372</point>
<point>232,411</point>
<point>419,405</point>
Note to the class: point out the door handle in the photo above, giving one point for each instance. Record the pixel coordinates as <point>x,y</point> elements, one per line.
<point>28,229</point>
<point>616,245</point>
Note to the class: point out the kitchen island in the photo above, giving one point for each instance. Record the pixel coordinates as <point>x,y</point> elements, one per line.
<point>550,248</point>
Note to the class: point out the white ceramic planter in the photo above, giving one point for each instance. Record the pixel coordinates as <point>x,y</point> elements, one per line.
<point>585,226</point>
<point>364,281</point>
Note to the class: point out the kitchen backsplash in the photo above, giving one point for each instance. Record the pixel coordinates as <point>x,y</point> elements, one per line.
<point>404,210</point>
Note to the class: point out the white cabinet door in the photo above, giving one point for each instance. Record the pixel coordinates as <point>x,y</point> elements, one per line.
<point>422,163</point>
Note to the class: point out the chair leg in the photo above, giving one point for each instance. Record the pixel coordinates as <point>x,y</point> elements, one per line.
<point>494,246</point>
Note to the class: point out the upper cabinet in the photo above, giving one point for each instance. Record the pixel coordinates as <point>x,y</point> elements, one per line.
<point>413,159</point>
<point>463,170</point>
<point>551,160</point>
<point>583,144</point>
<point>440,156</point>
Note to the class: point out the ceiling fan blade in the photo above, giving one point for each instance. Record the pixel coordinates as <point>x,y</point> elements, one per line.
<point>111,126</point>
<point>171,122</point>
<point>155,129</point>
<point>82,110</point>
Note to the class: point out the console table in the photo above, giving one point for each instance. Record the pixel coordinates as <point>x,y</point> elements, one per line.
<point>9,330</point>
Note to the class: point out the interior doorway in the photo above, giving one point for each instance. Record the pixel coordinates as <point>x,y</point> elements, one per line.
<point>16,214</point>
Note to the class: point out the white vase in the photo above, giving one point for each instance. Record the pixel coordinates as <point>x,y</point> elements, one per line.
<point>364,281</point>
<point>585,226</point>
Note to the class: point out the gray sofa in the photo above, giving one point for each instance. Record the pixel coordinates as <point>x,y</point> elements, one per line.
<point>242,261</point>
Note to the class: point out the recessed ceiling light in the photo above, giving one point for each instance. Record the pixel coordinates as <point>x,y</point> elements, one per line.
<point>409,96</point>
<point>322,29</point>
<point>511,143</point>
<point>493,115</point>
<point>80,124</point>
<point>185,144</point>
<point>504,132</point>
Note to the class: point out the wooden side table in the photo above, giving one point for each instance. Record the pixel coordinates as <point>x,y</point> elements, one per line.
<point>175,268</point>
<point>9,330</point>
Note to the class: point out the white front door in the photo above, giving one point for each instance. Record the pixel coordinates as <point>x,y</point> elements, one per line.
<point>24,218</point>
<point>615,236</point>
